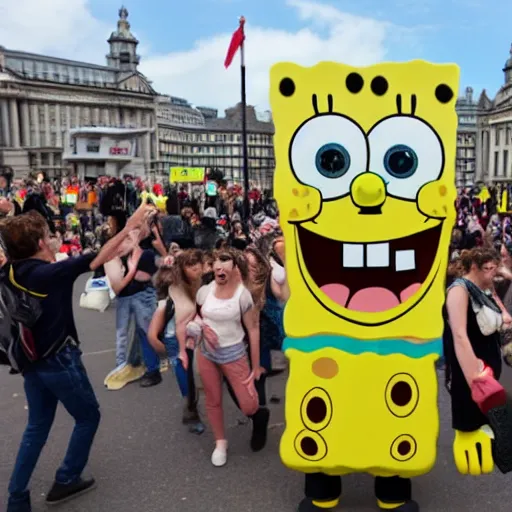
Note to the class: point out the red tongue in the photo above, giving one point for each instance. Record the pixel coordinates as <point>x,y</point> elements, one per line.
<point>368,300</point>
<point>373,300</point>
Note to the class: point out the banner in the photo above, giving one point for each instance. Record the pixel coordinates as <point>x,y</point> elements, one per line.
<point>187,174</point>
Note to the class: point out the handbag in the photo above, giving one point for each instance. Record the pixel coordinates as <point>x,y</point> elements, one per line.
<point>98,294</point>
<point>488,314</point>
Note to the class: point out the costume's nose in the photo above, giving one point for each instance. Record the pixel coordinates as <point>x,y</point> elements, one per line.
<point>368,192</point>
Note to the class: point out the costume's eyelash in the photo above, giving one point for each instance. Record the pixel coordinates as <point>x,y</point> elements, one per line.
<point>315,104</point>
<point>330,102</point>
<point>414,104</point>
<point>399,104</point>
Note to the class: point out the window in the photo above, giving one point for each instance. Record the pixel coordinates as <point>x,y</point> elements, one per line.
<point>496,163</point>
<point>93,146</point>
<point>505,162</point>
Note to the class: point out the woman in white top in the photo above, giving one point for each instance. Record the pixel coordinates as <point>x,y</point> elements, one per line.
<point>226,307</point>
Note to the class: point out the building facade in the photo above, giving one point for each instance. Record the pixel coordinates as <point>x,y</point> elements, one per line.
<point>494,133</point>
<point>43,99</point>
<point>466,139</point>
<point>198,137</point>
<point>68,117</point>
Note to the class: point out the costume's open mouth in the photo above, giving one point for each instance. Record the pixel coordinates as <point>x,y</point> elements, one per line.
<point>370,277</point>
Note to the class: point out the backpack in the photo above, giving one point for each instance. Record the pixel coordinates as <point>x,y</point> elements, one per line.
<point>20,309</point>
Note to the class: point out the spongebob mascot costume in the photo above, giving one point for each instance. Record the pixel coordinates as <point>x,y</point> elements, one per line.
<point>365,185</point>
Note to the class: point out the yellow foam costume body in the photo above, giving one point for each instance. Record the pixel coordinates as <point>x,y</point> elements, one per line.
<point>365,186</point>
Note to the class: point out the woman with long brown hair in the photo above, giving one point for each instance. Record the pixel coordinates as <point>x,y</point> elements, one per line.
<point>179,284</point>
<point>226,308</point>
<point>472,341</point>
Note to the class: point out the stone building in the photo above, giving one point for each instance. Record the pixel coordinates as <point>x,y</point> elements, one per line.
<point>64,116</point>
<point>466,139</point>
<point>198,137</point>
<point>494,133</point>
<point>46,102</point>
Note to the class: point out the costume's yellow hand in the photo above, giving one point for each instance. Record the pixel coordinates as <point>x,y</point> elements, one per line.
<point>466,448</point>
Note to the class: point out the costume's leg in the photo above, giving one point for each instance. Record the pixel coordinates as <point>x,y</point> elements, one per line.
<point>394,493</point>
<point>322,493</point>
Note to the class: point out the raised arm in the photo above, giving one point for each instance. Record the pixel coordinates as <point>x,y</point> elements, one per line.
<point>156,326</point>
<point>111,248</point>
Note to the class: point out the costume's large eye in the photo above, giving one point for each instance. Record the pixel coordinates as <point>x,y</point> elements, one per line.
<point>327,153</point>
<point>407,153</point>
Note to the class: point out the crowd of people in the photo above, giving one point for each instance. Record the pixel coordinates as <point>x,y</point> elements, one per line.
<point>205,286</point>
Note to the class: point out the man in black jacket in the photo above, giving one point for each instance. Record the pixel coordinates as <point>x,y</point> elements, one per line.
<point>60,376</point>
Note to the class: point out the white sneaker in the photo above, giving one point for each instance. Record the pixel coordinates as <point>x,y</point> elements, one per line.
<point>220,454</point>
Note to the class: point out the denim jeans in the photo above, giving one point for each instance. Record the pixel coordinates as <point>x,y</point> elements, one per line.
<point>173,350</point>
<point>60,378</point>
<point>184,378</point>
<point>142,305</point>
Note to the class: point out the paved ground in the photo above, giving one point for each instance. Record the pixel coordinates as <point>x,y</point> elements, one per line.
<point>144,459</point>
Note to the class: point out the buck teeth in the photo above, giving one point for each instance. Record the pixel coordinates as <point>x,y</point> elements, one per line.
<point>405,260</point>
<point>377,256</point>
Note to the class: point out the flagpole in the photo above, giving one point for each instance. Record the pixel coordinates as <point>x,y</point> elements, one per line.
<point>244,125</point>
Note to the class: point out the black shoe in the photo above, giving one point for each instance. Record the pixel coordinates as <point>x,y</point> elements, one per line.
<point>151,379</point>
<point>259,429</point>
<point>190,415</point>
<point>60,493</point>
<point>307,505</point>
<point>408,506</point>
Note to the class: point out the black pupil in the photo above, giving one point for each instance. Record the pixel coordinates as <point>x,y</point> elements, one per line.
<point>332,160</point>
<point>401,161</point>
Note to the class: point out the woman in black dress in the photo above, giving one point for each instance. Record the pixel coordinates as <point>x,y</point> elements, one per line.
<point>469,346</point>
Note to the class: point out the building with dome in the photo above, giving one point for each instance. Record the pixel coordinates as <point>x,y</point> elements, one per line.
<point>494,133</point>
<point>67,117</point>
<point>63,116</point>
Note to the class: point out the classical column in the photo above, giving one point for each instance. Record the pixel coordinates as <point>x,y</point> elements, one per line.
<point>138,118</point>
<point>58,127</point>
<point>35,122</point>
<point>96,118</point>
<point>117,117</point>
<point>6,132</point>
<point>493,172</point>
<point>77,117</point>
<point>15,124</point>
<point>67,141</point>
<point>25,124</point>
<point>47,138</point>
<point>106,117</point>
<point>146,143</point>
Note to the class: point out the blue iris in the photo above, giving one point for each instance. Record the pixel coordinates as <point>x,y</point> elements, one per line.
<point>401,161</point>
<point>332,160</point>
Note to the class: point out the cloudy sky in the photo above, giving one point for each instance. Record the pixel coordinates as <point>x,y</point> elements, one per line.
<point>183,42</point>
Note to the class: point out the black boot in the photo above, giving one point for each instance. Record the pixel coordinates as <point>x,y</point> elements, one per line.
<point>259,429</point>
<point>60,493</point>
<point>408,506</point>
<point>151,379</point>
<point>307,505</point>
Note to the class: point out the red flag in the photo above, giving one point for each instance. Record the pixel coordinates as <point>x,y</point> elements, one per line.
<point>236,42</point>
